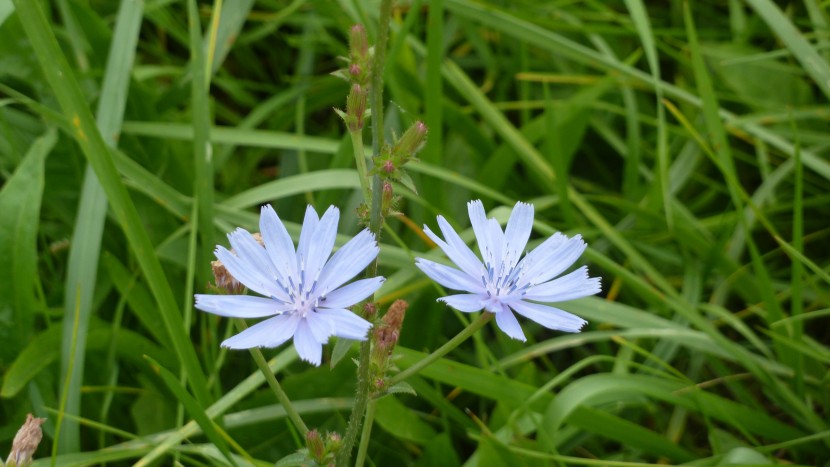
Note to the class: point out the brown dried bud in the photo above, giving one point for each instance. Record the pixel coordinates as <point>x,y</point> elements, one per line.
<point>387,332</point>
<point>25,442</point>
<point>224,280</point>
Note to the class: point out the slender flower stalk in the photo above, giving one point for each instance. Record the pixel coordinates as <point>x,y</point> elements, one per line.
<point>443,350</point>
<point>375,223</point>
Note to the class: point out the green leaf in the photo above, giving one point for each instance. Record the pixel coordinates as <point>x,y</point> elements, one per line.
<point>20,200</point>
<point>400,420</point>
<point>73,103</point>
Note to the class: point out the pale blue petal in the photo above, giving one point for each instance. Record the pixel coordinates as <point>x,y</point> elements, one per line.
<point>467,303</point>
<point>308,347</point>
<point>347,324</point>
<point>322,241</point>
<point>350,294</point>
<point>552,260</point>
<point>249,251</point>
<point>278,243</point>
<point>321,327</point>
<point>456,250</point>
<point>480,224</point>
<point>548,316</point>
<point>346,262</point>
<point>449,277</point>
<point>577,284</point>
<point>517,232</point>
<point>305,243</point>
<point>508,323</point>
<point>269,333</point>
<point>240,306</point>
<point>494,248</point>
<point>245,273</point>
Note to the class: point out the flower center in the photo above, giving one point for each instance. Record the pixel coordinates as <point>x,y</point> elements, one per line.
<point>502,275</point>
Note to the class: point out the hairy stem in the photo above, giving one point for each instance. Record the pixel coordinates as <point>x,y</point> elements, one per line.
<point>375,224</point>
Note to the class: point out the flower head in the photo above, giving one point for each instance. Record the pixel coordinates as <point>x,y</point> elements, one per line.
<point>504,282</point>
<point>302,288</point>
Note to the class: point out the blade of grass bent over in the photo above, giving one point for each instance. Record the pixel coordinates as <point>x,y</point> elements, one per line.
<point>92,211</point>
<point>66,88</point>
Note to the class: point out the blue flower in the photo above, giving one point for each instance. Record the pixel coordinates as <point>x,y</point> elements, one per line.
<point>504,283</point>
<point>302,289</point>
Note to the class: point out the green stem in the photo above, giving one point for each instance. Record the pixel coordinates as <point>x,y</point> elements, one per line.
<point>282,397</point>
<point>444,349</point>
<point>375,223</point>
<point>360,161</point>
<point>367,432</point>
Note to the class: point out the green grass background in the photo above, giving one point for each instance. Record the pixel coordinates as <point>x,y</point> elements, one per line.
<point>686,141</point>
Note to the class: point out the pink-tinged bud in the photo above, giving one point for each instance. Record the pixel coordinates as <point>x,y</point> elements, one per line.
<point>333,442</point>
<point>355,71</point>
<point>411,141</point>
<point>358,43</point>
<point>25,442</point>
<point>387,196</point>
<point>388,166</point>
<point>315,445</point>
<point>356,108</point>
<point>370,310</point>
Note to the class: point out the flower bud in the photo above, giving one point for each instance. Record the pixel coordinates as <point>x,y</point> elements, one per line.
<point>358,43</point>
<point>387,196</point>
<point>370,310</point>
<point>333,442</point>
<point>411,141</point>
<point>386,334</point>
<point>355,108</point>
<point>315,445</point>
<point>25,442</point>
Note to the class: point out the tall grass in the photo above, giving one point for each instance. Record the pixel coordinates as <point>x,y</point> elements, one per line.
<point>686,141</point>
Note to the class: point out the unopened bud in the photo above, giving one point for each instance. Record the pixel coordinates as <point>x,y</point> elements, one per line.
<point>333,442</point>
<point>355,108</point>
<point>370,310</point>
<point>224,280</point>
<point>355,71</point>
<point>411,141</point>
<point>388,166</point>
<point>25,442</point>
<point>386,334</point>
<point>315,445</point>
<point>358,43</point>
<point>387,196</point>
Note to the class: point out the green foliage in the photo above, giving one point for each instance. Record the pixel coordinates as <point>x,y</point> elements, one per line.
<point>686,142</point>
